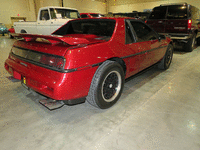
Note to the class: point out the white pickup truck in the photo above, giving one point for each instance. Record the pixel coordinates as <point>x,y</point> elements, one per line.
<point>49,19</point>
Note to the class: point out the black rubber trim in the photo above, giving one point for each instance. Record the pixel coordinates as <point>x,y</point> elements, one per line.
<point>74,101</point>
<point>143,52</point>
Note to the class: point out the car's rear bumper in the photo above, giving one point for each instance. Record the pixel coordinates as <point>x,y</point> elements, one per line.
<point>56,85</point>
<point>178,36</point>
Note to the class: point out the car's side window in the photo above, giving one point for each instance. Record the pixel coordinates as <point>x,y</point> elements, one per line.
<point>128,37</point>
<point>44,15</point>
<point>143,32</point>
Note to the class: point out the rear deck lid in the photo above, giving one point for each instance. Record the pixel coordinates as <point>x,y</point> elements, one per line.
<point>177,19</point>
<point>157,19</point>
<point>170,19</point>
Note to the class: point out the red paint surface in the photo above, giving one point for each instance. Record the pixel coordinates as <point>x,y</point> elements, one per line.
<point>81,53</point>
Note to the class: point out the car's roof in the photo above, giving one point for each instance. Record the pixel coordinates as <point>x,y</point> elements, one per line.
<point>111,18</point>
<point>89,13</point>
<point>173,4</point>
<point>57,7</point>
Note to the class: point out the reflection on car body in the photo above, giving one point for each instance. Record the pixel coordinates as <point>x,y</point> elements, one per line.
<point>88,59</point>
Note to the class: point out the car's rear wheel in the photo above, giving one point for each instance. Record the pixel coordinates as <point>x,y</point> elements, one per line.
<point>167,59</point>
<point>23,31</point>
<point>191,44</point>
<point>107,85</point>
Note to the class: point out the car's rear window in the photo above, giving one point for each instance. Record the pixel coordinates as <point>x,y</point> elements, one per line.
<point>99,27</point>
<point>94,15</point>
<point>173,12</point>
<point>177,12</point>
<point>158,13</point>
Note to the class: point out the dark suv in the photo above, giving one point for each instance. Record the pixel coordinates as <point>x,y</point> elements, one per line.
<point>179,21</point>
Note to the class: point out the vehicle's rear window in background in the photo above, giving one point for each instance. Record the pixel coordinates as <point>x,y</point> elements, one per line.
<point>177,12</point>
<point>158,13</point>
<point>94,15</point>
<point>99,27</point>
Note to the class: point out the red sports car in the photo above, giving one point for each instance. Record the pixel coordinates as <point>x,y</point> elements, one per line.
<point>87,59</point>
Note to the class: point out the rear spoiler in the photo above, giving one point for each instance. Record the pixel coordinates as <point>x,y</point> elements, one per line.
<point>53,39</point>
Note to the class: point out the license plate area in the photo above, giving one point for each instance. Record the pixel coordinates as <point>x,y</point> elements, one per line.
<point>23,81</point>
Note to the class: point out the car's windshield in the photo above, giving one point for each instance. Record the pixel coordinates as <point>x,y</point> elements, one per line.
<point>98,27</point>
<point>59,13</point>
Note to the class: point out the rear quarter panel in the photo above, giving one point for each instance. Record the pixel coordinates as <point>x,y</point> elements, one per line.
<point>100,52</point>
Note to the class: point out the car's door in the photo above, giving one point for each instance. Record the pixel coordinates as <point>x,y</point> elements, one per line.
<point>133,50</point>
<point>130,51</point>
<point>152,50</point>
<point>44,23</point>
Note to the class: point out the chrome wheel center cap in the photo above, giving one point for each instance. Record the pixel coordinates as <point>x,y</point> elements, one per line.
<point>110,86</point>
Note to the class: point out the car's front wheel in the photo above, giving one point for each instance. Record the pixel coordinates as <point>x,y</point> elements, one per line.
<point>107,85</point>
<point>167,59</point>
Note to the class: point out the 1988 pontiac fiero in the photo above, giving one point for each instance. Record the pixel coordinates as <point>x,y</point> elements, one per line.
<point>87,59</point>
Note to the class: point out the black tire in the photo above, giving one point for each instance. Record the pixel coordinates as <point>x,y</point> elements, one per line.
<point>167,59</point>
<point>107,85</point>
<point>3,34</point>
<point>198,41</point>
<point>23,31</point>
<point>190,45</point>
<point>10,36</point>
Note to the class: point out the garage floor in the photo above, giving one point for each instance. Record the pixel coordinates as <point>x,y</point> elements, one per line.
<point>158,110</point>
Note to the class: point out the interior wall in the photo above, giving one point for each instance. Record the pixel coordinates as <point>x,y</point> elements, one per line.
<point>45,3</point>
<point>135,5</point>
<point>29,8</point>
<point>86,6</point>
<point>16,8</point>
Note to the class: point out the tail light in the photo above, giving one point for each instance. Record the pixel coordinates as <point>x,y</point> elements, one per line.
<point>189,24</point>
<point>47,60</point>
<point>52,61</point>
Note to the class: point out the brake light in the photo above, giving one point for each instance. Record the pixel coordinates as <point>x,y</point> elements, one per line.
<point>52,61</point>
<point>145,21</point>
<point>189,24</point>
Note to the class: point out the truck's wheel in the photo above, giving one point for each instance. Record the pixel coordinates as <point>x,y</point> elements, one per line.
<point>198,41</point>
<point>167,59</point>
<point>23,31</point>
<point>191,43</point>
<point>10,36</point>
<point>107,85</point>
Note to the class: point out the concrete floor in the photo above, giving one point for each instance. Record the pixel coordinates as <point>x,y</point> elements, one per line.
<point>158,110</point>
